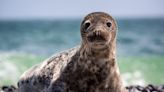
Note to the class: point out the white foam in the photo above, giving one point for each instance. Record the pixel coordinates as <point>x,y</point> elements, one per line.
<point>134,78</point>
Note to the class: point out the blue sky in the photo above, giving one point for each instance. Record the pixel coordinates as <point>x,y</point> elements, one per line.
<point>24,9</point>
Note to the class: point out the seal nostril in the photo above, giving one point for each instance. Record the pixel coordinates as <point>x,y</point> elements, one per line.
<point>97,33</point>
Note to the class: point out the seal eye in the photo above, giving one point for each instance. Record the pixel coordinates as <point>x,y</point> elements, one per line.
<point>86,25</point>
<point>108,24</point>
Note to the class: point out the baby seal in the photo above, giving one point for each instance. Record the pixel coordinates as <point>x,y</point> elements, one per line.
<point>92,67</point>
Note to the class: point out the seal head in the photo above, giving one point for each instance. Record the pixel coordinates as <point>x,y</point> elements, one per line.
<point>98,30</point>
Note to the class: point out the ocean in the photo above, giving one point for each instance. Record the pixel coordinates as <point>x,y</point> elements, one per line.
<point>28,41</point>
<point>45,37</point>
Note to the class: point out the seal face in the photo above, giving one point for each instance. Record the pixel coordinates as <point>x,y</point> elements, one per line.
<point>98,29</point>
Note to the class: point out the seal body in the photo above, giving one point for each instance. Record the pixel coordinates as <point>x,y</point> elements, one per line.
<point>91,74</point>
<point>92,67</point>
<point>40,77</point>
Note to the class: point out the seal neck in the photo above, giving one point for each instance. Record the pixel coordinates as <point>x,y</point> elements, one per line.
<point>107,52</point>
<point>113,81</point>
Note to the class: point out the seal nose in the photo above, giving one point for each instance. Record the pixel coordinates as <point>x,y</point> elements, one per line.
<point>97,35</point>
<point>97,32</point>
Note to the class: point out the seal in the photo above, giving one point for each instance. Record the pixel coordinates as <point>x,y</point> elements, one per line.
<point>92,67</point>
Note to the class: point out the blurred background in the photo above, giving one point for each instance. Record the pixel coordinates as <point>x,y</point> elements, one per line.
<point>33,30</point>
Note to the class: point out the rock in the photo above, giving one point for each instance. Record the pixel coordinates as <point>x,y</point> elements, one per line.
<point>148,88</point>
<point>10,88</point>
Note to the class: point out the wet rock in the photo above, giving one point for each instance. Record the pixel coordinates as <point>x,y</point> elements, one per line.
<point>148,88</point>
<point>131,88</point>
<point>10,88</point>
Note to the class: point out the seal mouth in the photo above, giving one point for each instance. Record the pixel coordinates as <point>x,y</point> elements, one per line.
<point>96,38</point>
